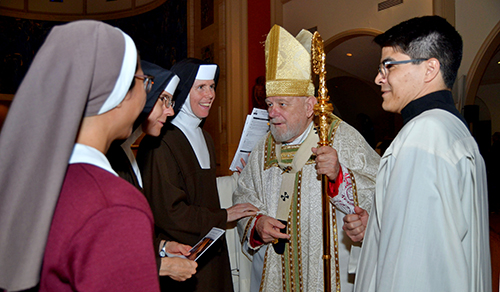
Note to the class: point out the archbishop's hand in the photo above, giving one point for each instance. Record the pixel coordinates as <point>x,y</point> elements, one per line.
<point>327,161</point>
<point>239,211</point>
<point>243,163</point>
<point>355,224</point>
<point>178,269</point>
<point>269,229</point>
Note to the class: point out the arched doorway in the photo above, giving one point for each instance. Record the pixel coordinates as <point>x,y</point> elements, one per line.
<point>483,95</point>
<point>483,81</point>
<point>488,51</point>
<point>352,61</point>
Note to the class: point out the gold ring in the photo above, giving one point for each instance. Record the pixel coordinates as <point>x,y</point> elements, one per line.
<point>275,241</point>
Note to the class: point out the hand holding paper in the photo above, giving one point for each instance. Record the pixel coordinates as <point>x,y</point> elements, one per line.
<point>202,245</point>
<point>256,126</point>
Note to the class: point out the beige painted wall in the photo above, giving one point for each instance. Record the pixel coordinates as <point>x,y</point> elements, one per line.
<point>474,21</point>
<point>336,16</point>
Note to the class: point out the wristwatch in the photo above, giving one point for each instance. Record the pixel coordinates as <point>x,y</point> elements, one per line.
<point>163,252</point>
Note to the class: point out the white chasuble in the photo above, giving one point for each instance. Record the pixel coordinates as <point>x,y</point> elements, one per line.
<point>300,268</point>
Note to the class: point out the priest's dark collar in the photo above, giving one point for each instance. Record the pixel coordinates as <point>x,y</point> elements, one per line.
<point>439,99</point>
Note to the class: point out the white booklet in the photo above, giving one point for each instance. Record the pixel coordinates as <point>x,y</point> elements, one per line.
<point>256,126</point>
<point>202,245</point>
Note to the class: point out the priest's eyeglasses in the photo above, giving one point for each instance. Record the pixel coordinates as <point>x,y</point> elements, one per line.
<point>148,81</point>
<point>386,65</point>
<point>167,101</point>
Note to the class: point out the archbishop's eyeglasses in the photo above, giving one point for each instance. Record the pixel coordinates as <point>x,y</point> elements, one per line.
<point>148,81</point>
<point>167,101</point>
<point>384,66</point>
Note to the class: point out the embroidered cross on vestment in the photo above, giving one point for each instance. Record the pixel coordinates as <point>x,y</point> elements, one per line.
<point>285,196</point>
<point>286,169</point>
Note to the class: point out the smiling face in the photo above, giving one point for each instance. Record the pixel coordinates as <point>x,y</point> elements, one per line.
<point>158,116</point>
<point>403,82</point>
<point>289,116</point>
<point>201,96</point>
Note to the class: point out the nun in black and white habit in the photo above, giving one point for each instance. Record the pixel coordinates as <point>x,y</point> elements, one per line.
<point>179,178</point>
<point>159,106</point>
<point>120,154</point>
<point>61,203</point>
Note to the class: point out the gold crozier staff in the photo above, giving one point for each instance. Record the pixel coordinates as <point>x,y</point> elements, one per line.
<point>323,110</point>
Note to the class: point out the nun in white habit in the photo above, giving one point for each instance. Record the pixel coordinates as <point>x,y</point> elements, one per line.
<point>62,204</point>
<point>179,179</point>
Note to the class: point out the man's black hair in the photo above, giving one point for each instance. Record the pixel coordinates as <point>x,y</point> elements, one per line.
<point>427,37</point>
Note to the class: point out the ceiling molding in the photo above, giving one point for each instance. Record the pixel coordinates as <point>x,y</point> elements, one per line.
<point>25,13</point>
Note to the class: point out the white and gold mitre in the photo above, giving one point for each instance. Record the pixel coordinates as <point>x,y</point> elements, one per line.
<point>288,63</point>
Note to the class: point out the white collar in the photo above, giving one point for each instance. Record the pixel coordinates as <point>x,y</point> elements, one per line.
<point>86,154</point>
<point>189,123</point>
<point>186,115</point>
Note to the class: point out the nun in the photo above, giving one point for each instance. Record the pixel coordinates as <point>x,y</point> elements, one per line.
<point>179,179</point>
<point>67,221</point>
<point>159,106</point>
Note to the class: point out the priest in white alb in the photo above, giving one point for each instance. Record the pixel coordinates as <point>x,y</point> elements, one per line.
<point>428,227</point>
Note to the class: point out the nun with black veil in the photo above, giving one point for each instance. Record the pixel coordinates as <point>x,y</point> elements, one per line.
<point>67,221</point>
<point>179,176</point>
<point>159,106</point>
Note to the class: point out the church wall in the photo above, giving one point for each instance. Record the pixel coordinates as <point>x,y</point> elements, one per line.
<point>474,21</point>
<point>333,17</point>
